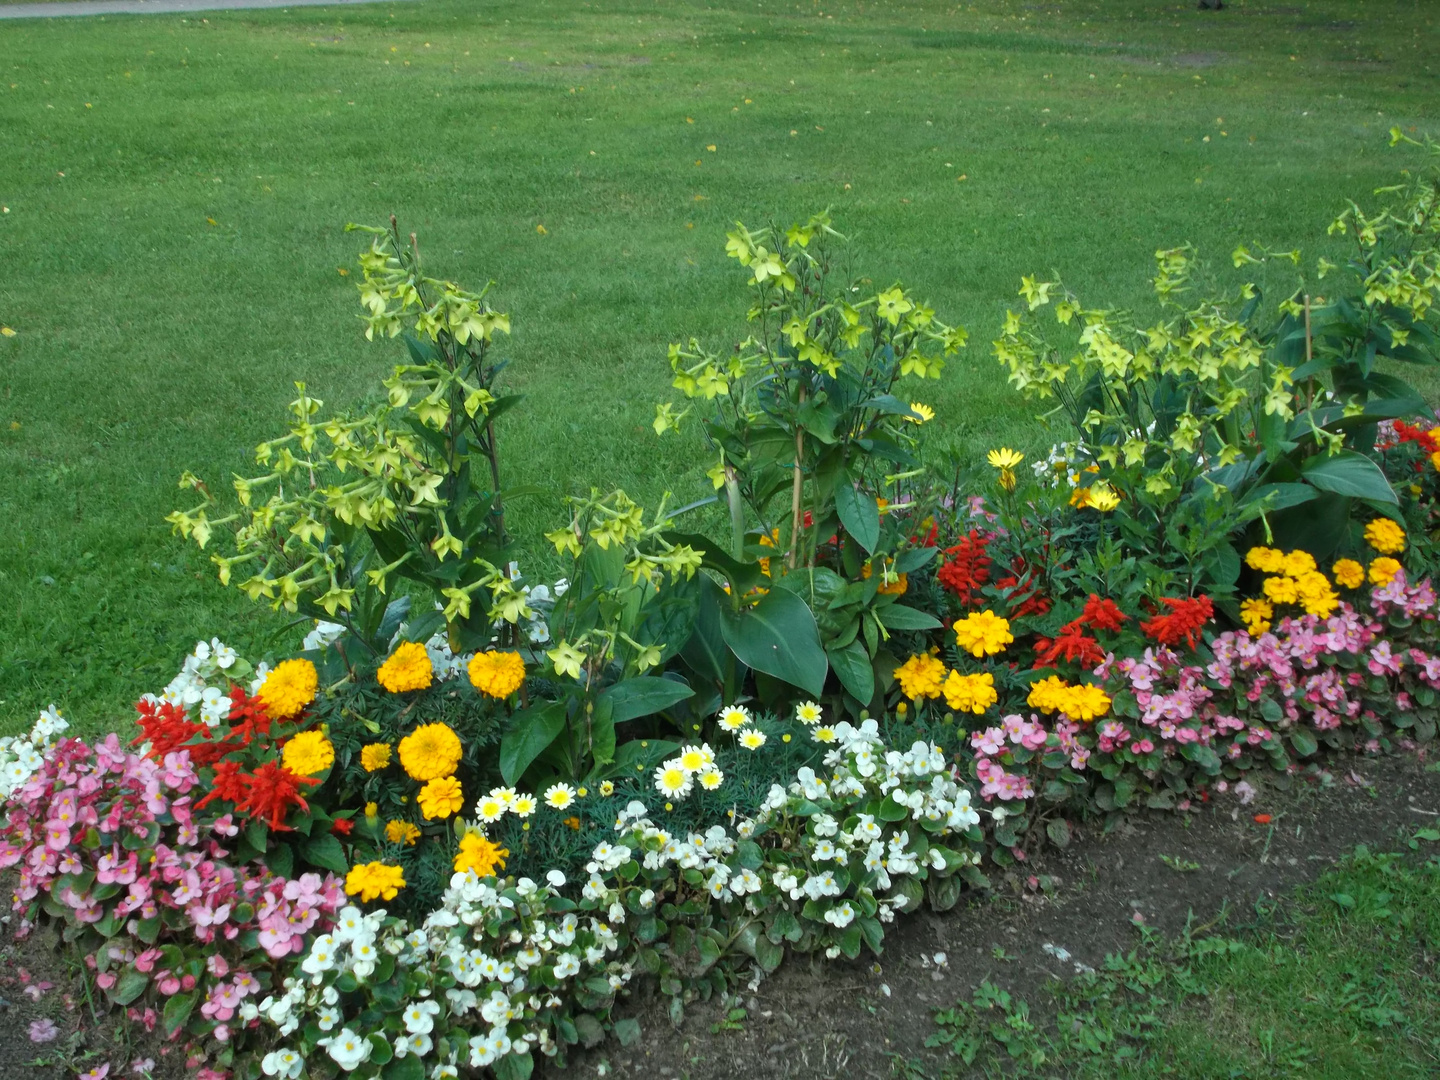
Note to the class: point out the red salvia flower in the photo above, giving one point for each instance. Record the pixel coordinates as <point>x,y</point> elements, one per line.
<point>166,728</point>
<point>248,718</point>
<point>1026,599</point>
<point>966,567</point>
<point>1185,619</point>
<point>1426,440</point>
<point>1072,646</point>
<point>229,784</point>
<point>1101,614</point>
<point>342,826</point>
<point>270,792</point>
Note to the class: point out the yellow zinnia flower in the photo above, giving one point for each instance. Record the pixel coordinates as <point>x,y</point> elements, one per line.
<point>1385,536</point>
<point>375,756</point>
<point>440,798</point>
<point>496,674</point>
<point>1266,560</point>
<point>923,411</point>
<point>983,633</point>
<point>308,753</point>
<point>1257,615</point>
<point>430,752</point>
<point>970,693</point>
<point>289,688</point>
<point>407,669</point>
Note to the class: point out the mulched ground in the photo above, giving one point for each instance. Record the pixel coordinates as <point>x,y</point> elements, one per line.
<point>817,1020</point>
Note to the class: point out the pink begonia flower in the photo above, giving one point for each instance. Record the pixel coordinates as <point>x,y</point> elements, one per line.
<point>142,1066</point>
<point>99,1072</point>
<point>43,1031</point>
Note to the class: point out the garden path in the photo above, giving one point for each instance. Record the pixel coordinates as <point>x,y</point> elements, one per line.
<point>154,7</point>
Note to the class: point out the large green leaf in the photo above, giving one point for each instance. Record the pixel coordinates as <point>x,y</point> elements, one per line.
<point>900,617</point>
<point>325,851</point>
<point>644,695</point>
<point>853,668</point>
<point>177,1011</point>
<point>859,513</point>
<point>706,652</point>
<point>531,731</point>
<point>1349,473</point>
<point>778,636</point>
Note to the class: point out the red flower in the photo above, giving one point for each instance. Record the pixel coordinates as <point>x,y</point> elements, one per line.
<point>1186,618</point>
<point>966,567</point>
<point>229,784</point>
<point>342,826</point>
<point>166,728</point>
<point>270,792</point>
<point>1026,598</point>
<point>248,718</point>
<point>1426,440</point>
<point>1072,646</point>
<point>930,538</point>
<point>1101,614</point>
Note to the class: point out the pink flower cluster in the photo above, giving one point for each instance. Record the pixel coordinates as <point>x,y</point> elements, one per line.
<point>113,838</point>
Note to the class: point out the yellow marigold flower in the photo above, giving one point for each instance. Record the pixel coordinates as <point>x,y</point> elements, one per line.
<point>1320,604</point>
<point>1383,570</point>
<point>407,669</point>
<point>375,756</point>
<point>289,688</point>
<point>402,832</point>
<point>970,693</point>
<point>1435,460</point>
<point>372,810</point>
<point>1385,536</point>
<point>1004,458</point>
<point>374,881</point>
<point>497,674</point>
<point>920,677</point>
<point>983,633</point>
<point>1282,590</point>
<point>440,798</point>
<point>1298,563</point>
<point>1086,702</point>
<point>1103,498</point>
<point>887,588</point>
<point>308,753</point>
<point>430,752</point>
<point>1266,560</point>
<point>480,854</point>
<point>1350,573</point>
<point>1048,694</point>
<point>1257,615</point>
<point>1312,584</point>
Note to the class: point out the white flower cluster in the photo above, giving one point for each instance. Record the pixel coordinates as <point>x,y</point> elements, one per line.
<point>501,964</point>
<point>22,755</point>
<point>495,959</point>
<point>678,776</point>
<point>204,680</point>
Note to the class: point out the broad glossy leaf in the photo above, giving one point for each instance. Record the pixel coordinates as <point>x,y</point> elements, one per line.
<point>853,668</point>
<point>859,513</point>
<point>778,636</point>
<point>644,695</point>
<point>1349,473</point>
<point>531,731</point>
<point>900,617</point>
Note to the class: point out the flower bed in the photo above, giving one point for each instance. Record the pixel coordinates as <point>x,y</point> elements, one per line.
<point>447,832</point>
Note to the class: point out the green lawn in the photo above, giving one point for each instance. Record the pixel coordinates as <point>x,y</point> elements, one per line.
<point>177,187</point>
<point>1334,983</point>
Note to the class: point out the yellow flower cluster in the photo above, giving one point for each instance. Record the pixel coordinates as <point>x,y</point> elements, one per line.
<point>480,854</point>
<point>970,693</point>
<point>402,832</point>
<point>921,677</point>
<point>407,669</point>
<point>898,587</point>
<point>375,756</point>
<point>430,752</point>
<point>374,880</point>
<point>1385,536</point>
<point>440,798</point>
<point>1257,615</point>
<point>289,688</point>
<point>497,674</point>
<point>1081,703</point>
<point>308,753</point>
<point>983,633</point>
<point>1294,580</point>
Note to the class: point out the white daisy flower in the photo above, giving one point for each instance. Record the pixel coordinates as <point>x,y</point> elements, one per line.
<point>752,739</point>
<point>559,796</point>
<point>734,718</point>
<point>807,712</point>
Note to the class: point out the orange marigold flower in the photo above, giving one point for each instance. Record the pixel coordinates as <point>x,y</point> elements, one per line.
<point>407,669</point>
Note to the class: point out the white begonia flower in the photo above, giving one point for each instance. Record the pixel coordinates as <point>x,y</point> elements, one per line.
<point>262,672</point>
<point>841,916</point>
<point>347,1049</point>
<point>444,1071</point>
<point>214,706</point>
<point>327,1018</point>
<point>567,966</point>
<point>556,879</point>
<point>285,1064</point>
<point>321,957</point>
<point>222,654</point>
<point>419,1018</point>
